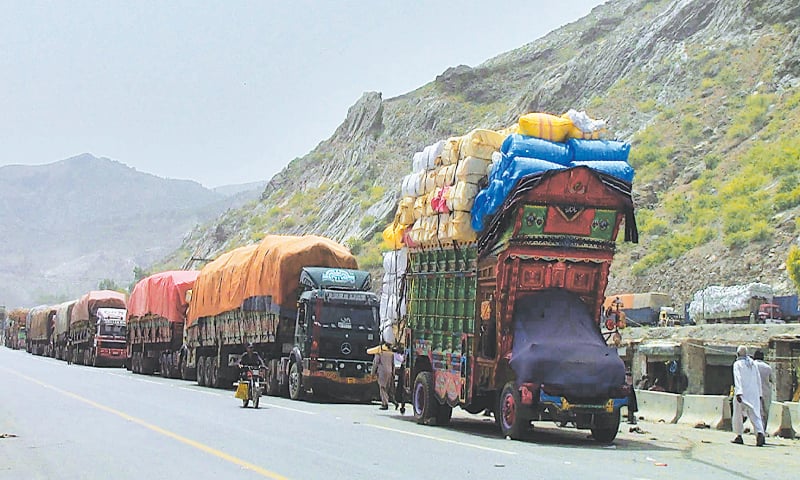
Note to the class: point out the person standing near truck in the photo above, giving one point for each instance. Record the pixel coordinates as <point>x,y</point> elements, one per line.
<point>383,365</point>
<point>747,393</point>
<point>767,379</point>
<point>69,350</point>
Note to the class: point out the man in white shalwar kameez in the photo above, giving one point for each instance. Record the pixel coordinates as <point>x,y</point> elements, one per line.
<point>747,396</point>
<point>767,379</point>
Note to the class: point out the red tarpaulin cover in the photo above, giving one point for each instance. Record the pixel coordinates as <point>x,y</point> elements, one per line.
<point>163,295</point>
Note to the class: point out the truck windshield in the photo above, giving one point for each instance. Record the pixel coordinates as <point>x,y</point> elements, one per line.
<point>348,317</point>
<point>117,330</point>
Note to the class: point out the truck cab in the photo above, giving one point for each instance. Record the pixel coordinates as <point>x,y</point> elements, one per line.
<point>110,334</point>
<point>337,321</point>
<point>770,313</point>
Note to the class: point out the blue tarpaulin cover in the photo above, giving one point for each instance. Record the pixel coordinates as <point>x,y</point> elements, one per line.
<point>557,344</point>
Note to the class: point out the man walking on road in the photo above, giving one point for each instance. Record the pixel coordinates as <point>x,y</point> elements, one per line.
<point>747,393</point>
<point>383,365</point>
<point>767,379</point>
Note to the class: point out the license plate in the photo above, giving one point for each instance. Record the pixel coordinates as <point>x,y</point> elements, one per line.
<point>116,354</point>
<point>351,380</point>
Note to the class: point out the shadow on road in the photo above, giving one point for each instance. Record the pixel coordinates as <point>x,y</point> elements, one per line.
<point>550,435</point>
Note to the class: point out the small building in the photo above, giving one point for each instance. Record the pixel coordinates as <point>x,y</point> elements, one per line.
<point>698,360</point>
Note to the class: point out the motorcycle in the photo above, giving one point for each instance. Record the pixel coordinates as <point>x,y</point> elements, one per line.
<point>250,386</point>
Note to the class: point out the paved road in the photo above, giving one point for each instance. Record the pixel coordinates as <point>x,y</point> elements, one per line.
<point>74,422</point>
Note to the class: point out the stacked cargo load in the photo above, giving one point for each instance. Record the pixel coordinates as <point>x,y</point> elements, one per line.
<point>63,312</point>
<point>507,318</point>
<point>156,317</point>
<point>39,324</point>
<point>731,304</point>
<point>16,335</point>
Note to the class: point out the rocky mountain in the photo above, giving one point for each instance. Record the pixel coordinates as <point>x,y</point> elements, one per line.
<point>707,91</point>
<point>69,224</point>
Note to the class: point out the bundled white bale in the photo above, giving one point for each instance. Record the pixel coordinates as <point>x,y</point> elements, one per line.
<point>432,154</point>
<point>395,262</point>
<point>462,196</point>
<point>480,143</point>
<point>418,162</point>
<point>410,185</point>
<point>720,300</point>
<point>450,152</point>
<point>472,169</point>
<point>387,333</point>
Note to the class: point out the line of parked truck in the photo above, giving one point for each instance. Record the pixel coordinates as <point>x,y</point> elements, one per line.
<point>300,301</point>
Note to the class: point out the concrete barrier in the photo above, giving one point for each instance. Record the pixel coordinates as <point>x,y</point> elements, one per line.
<point>794,413</point>
<point>659,406</point>
<point>711,410</point>
<point>780,421</point>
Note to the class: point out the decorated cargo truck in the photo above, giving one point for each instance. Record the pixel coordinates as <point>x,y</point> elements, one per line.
<point>40,327</point>
<point>97,328</point>
<point>156,318</point>
<point>16,333</point>
<point>303,305</point>
<point>503,314</point>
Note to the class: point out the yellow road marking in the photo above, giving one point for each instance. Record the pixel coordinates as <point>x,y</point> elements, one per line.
<point>188,441</point>
<point>439,439</point>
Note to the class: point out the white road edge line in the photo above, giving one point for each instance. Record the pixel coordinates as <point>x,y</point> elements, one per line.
<point>289,408</point>
<point>200,391</point>
<point>439,439</point>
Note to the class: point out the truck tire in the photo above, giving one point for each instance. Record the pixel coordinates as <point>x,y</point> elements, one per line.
<point>201,371</point>
<point>443,415</point>
<point>606,427</point>
<point>213,372</point>
<point>272,385</point>
<point>295,382</point>
<point>510,415</point>
<point>426,407</point>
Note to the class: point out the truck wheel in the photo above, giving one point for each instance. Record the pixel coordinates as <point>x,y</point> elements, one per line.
<point>606,427</point>
<point>201,371</point>
<point>213,373</point>
<point>444,415</point>
<point>295,382</point>
<point>510,415</point>
<point>272,386</point>
<point>426,407</point>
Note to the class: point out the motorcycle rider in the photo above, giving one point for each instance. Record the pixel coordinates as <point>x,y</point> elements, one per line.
<point>250,358</point>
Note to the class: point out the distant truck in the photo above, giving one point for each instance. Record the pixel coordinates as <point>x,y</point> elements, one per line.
<point>97,328</point>
<point>788,306</point>
<point>304,306</point>
<point>156,319</point>
<point>16,334</point>
<point>639,308</point>
<point>511,323</point>
<point>732,304</point>
<point>40,326</point>
<point>61,333</point>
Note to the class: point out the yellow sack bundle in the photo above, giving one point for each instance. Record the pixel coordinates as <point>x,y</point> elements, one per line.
<point>419,208</point>
<point>575,132</point>
<point>428,206</point>
<point>405,211</point>
<point>393,236</point>
<point>461,229</point>
<point>472,169</point>
<point>445,176</point>
<point>509,130</point>
<point>480,143</point>
<point>449,155</point>
<point>428,183</point>
<point>443,231</point>
<point>462,196</point>
<point>416,231</point>
<point>545,126</point>
<point>242,391</point>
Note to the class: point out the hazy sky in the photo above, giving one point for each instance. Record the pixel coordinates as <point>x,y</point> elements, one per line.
<point>228,92</point>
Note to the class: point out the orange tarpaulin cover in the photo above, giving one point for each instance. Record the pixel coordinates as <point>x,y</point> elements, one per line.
<point>90,302</point>
<point>271,267</point>
<point>162,294</point>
